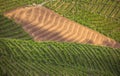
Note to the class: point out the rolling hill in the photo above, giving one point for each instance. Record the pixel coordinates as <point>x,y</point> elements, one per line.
<point>21,55</point>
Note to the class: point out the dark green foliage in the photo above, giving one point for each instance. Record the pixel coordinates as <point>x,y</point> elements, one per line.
<point>9,29</point>
<point>27,58</point>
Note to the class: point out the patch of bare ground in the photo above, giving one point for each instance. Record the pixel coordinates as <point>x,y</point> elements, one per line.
<point>45,25</point>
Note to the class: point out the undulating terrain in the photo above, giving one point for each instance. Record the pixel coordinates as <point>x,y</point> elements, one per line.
<point>45,25</point>
<point>59,37</point>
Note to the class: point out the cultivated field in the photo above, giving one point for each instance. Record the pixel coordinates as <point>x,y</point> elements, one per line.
<point>100,15</point>
<point>45,25</point>
<point>28,58</point>
<point>59,37</point>
<point>9,29</point>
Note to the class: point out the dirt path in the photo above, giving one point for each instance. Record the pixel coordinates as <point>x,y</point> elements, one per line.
<point>45,25</point>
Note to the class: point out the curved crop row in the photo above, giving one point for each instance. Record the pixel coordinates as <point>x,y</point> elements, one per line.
<point>10,4</point>
<point>44,25</point>
<point>100,15</point>
<point>56,59</point>
<point>9,29</point>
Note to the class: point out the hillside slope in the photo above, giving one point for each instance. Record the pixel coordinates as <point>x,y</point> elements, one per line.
<point>21,58</point>
<point>44,24</point>
<point>100,15</point>
<point>12,30</point>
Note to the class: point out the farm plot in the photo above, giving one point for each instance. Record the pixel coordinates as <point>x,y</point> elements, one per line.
<point>100,15</point>
<point>45,25</point>
<point>21,58</point>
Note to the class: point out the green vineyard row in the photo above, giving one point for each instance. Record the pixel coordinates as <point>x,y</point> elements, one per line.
<point>100,15</point>
<point>20,56</point>
<point>93,18</point>
<point>9,29</point>
<point>28,58</point>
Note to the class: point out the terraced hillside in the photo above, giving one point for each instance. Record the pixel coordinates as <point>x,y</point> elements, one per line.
<point>28,58</point>
<point>45,25</point>
<point>100,15</point>
<point>20,55</point>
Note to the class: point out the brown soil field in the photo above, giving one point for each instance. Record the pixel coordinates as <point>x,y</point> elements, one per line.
<point>45,25</point>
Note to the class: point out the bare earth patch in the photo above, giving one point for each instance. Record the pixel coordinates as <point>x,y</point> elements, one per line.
<point>45,25</point>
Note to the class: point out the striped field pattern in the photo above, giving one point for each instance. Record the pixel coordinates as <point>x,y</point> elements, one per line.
<point>100,15</point>
<point>70,23</point>
<point>45,25</point>
<point>10,4</point>
<point>9,29</point>
<point>28,58</point>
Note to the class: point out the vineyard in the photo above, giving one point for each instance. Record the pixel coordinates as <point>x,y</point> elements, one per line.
<point>100,15</point>
<point>59,37</point>
<point>9,29</point>
<point>49,26</point>
<point>53,58</point>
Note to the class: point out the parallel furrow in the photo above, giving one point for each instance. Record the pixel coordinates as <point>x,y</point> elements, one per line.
<point>44,24</point>
<point>9,29</point>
